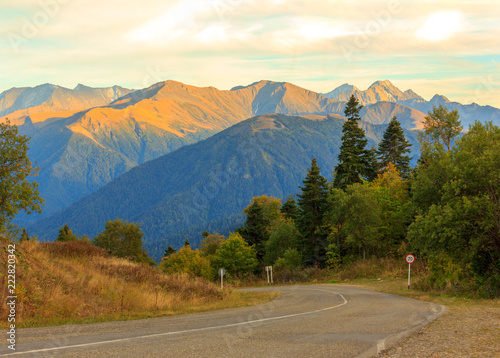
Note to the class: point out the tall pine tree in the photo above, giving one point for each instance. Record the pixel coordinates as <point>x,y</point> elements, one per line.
<point>393,148</point>
<point>289,209</point>
<point>255,230</point>
<point>313,205</point>
<point>355,162</point>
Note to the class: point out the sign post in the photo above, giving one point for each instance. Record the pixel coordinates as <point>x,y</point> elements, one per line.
<point>269,269</point>
<point>222,272</point>
<point>409,259</point>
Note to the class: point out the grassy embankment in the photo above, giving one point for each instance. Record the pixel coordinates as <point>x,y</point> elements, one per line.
<point>74,282</point>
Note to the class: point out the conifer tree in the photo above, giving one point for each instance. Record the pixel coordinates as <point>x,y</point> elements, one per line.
<point>255,229</point>
<point>65,234</point>
<point>371,164</point>
<point>261,214</point>
<point>290,209</point>
<point>393,148</point>
<point>24,235</point>
<point>169,251</point>
<point>187,243</point>
<point>313,204</point>
<point>354,159</point>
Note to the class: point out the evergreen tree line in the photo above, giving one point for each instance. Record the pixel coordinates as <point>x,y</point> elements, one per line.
<point>363,211</point>
<point>445,211</point>
<point>318,229</point>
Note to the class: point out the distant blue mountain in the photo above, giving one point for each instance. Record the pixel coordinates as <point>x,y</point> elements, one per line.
<point>205,186</point>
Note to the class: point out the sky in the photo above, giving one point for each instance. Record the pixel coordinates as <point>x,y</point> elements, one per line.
<point>447,47</point>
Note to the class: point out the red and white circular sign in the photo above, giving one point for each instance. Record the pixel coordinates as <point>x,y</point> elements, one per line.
<point>410,259</point>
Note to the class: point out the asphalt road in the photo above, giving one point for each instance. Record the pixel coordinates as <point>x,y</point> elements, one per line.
<point>306,321</point>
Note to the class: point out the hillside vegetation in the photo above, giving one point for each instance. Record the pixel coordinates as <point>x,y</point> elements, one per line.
<point>444,211</point>
<point>76,282</point>
<point>205,186</point>
<point>81,141</point>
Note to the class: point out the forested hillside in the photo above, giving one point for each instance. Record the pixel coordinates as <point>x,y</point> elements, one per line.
<point>376,209</point>
<point>208,184</point>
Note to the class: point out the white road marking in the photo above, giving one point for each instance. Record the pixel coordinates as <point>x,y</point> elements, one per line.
<point>189,330</point>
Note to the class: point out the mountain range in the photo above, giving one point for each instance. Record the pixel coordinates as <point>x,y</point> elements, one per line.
<point>51,101</point>
<point>207,185</point>
<point>80,150</point>
<point>87,141</point>
<point>385,91</point>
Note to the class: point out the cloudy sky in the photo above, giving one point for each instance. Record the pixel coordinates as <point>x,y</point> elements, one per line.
<point>446,47</point>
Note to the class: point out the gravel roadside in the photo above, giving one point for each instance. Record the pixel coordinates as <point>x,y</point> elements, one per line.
<point>470,328</point>
<point>462,332</point>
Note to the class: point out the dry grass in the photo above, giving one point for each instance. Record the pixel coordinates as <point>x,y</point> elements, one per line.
<point>75,282</point>
<point>383,268</point>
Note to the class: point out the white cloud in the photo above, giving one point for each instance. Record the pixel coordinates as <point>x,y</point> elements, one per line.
<point>314,30</point>
<point>213,34</point>
<point>115,41</point>
<point>441,25</point>
<point>173,24</point>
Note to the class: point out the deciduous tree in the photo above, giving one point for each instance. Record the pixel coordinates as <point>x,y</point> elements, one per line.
<point>211,243</point>
<point>462,222</point>
<point>442,124</point>
<point>17,192</point>
<point>188,261</point>
<point>284,236</point>
<point>236,256</point>
<point>122,239</point>
<point>392,195</point>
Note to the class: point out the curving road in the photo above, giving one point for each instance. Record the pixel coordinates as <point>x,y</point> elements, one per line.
<point>319,321</point>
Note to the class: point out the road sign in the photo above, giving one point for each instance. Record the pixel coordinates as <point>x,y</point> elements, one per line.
<point>409,259</point>
<point>222,272</point>
<point>269,269</point>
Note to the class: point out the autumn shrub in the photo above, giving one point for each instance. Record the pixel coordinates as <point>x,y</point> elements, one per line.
<point>72,249</point>
<point>188,261</point>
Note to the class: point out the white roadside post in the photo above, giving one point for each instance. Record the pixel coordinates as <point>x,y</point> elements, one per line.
<point>409,259</point>
<point>269,269</point>
<point>222,272</point>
